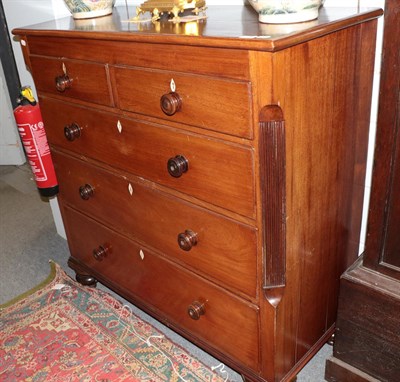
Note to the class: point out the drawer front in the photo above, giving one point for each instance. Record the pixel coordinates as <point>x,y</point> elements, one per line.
<point>207,102</point>
<point>212,244</point>
<point>89,81</point>
<point>229,324</point>
<point>232,63</point>
<point>219,173</point>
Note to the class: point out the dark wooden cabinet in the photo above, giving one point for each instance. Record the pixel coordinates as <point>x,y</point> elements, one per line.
<point>208,171</point>
<point>367,346</point>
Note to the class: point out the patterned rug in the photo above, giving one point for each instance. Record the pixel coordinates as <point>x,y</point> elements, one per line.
<point>62,331</point>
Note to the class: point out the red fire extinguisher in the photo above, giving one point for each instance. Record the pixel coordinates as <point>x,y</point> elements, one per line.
<point>33,137</point>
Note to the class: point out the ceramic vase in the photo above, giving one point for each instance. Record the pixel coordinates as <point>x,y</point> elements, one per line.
<point>86,9</point>
<point>286,11</point>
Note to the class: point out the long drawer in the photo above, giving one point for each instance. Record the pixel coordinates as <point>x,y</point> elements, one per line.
<point>208,102</point>
<point>216,316</point>
<point>232,63</point>
<point>87,81</point>
<point>216,172</point>
<point>213,244</point>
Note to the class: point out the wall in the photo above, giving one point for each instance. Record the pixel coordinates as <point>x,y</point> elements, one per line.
<point>22,12</point>
<point>11,151</point>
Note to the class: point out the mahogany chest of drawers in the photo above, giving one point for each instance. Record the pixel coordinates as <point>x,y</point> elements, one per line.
<point>208,171</point>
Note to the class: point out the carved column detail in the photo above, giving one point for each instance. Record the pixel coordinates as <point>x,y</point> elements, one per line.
<point>272,180</point>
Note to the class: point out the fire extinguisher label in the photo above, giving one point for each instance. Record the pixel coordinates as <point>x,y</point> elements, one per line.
<point>36,147</point>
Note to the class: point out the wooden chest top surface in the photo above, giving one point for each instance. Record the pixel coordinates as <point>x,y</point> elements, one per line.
<point>225,26</point>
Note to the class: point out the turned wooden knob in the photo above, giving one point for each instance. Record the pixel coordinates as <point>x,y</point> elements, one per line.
<point>72,131</point>
<point>101,252</point>
<point>177,166</point>
<point>170,103</point>
<point>187,240</point>
<point>86,191</point>
<point>196,310</point>
<point>63,82</point>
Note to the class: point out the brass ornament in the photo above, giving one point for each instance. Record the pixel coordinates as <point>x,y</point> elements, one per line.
<point>174,10</point>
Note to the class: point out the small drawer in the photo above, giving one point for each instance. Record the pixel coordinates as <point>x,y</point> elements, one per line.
<point>211,243</point>
<point>210,170</point>
<point>71,78</point>
<point>207,102</point>
<point>202,309</point>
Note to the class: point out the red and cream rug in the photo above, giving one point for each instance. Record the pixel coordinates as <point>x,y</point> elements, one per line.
<point>62,331</point>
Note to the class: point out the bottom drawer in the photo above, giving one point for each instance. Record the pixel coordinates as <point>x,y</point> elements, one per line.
<point>226,322</point>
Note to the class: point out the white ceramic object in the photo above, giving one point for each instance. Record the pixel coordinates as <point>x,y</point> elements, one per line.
<point>286,11</point>
<point>86,9</point>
